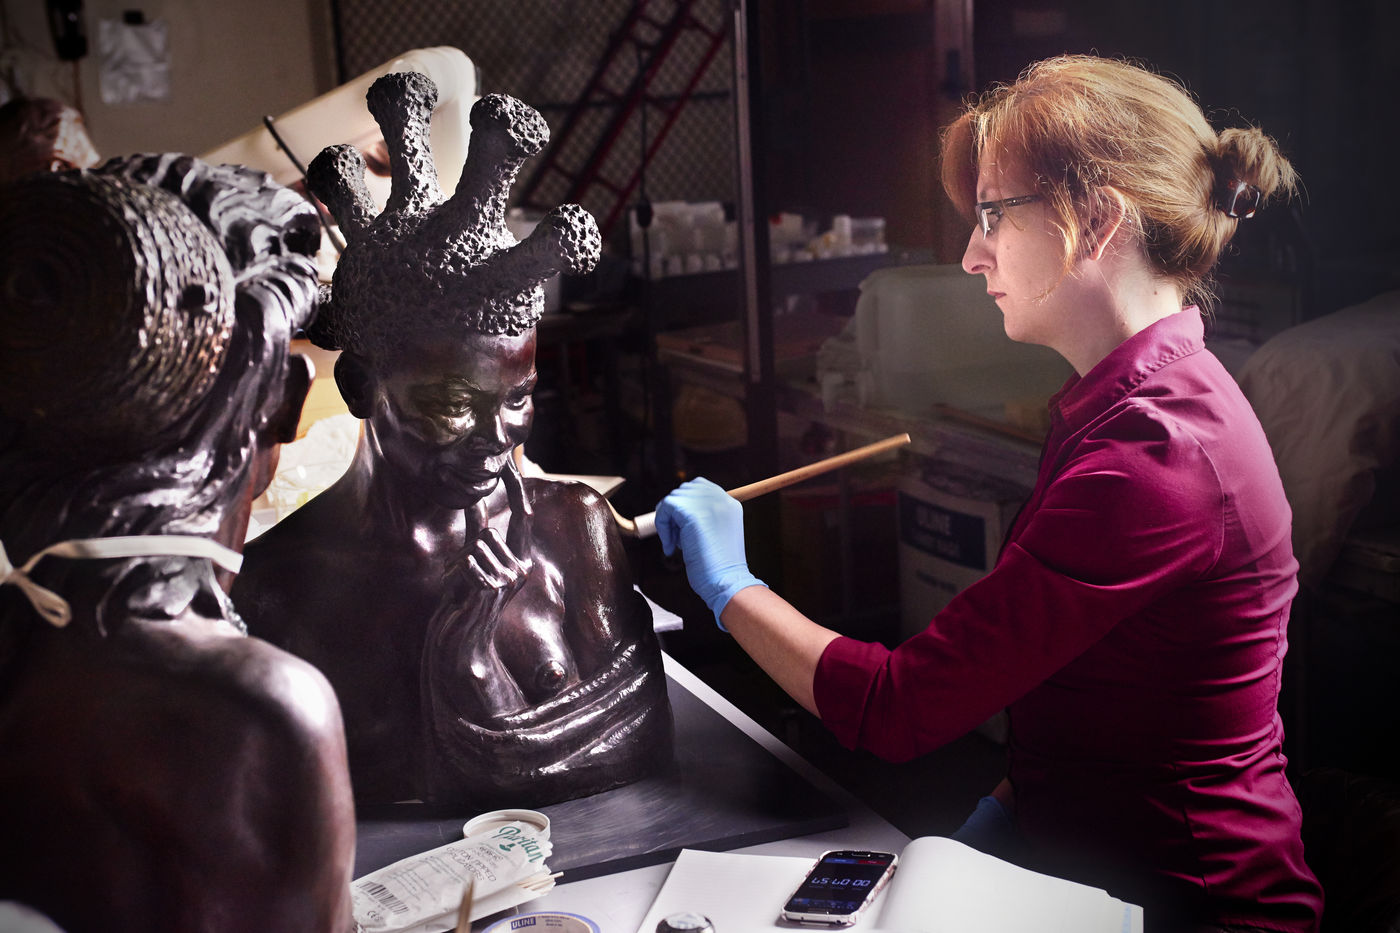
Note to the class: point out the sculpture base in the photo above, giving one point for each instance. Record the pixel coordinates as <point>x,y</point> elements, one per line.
<point>725,791</point>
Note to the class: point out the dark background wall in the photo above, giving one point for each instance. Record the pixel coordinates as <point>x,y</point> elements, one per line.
<point>854,94</point>
<point>1320,76</point>
<point>545,52</point>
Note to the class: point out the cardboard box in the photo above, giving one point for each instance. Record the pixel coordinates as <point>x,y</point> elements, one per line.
<point>814,572</point>
<point>951,527</point>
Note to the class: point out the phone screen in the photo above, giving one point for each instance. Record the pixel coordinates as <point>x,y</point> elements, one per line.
<point>838,885</point>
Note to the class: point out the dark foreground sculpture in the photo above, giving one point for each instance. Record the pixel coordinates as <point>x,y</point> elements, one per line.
<point>480,628</point>
<point>161,771</point>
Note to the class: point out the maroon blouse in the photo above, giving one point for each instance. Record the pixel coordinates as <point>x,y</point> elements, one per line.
<point>1135,626</point>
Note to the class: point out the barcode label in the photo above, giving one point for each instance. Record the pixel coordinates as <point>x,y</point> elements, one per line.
<point>384,896</point>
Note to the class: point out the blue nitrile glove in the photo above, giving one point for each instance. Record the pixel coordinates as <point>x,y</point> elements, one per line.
<point>709,527</point>
<point>991,829</point>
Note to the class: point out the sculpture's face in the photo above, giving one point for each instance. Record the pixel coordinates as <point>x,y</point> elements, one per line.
<point>447,421</point>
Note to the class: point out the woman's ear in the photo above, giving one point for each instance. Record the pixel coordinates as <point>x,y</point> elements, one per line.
<point>1110,210</point>
<point>355,380</point>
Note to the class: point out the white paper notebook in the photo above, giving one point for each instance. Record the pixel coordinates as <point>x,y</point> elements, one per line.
<point>941,886</point>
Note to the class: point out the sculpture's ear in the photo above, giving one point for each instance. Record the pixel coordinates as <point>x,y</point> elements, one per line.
<point>355,379</point>
<point>282,426</point>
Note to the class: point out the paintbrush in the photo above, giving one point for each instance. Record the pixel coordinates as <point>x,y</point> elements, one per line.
<point>644,526</point>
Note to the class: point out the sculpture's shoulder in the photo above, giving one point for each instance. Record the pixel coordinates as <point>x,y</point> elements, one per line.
<point>577,528</point>
<point>181,742</point>
<point>243,688</point>
<point>562,493</point>
<point>286,691</point>
<point>304,569</point>
<point>573,510</point>
<point>277,804</point>
<point>324,530</point>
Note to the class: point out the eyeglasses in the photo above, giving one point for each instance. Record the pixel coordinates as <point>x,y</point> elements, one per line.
<point>989,212</point>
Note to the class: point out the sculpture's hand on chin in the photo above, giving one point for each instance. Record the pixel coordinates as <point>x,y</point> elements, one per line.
<point>519,533</point>
<point>480,580</point>
<point>484,576</point>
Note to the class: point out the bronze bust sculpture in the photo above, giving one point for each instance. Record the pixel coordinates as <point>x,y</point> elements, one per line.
<point>480,627</point>
<point>162,771</point>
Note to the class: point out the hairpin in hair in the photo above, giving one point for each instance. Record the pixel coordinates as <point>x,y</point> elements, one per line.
<point>1238,199</point>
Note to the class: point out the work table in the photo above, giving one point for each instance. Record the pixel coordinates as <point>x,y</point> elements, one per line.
<point>619,901</point>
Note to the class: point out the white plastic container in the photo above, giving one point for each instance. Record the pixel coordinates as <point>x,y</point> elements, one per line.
<point>495,819</point>
<point>340,116</point>
<point>931,334</point>
<point>685,238</point>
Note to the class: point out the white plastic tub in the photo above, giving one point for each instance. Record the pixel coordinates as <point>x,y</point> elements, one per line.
<point>931,334</point>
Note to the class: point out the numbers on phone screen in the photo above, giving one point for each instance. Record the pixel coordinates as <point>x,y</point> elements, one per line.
<point>842,882</point>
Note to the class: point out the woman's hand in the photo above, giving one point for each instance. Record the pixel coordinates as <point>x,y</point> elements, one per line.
<point>708,525</point>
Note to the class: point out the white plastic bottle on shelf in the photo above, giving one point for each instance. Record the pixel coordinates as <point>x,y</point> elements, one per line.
<point>339,116</point>
<point>868,235</point>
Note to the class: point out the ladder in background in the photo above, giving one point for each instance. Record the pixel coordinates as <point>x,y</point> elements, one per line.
<point>652,40</point>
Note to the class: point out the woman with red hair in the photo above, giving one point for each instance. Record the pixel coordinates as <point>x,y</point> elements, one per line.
<point>1135,622</point>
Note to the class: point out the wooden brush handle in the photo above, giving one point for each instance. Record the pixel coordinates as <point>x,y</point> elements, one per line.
<point>644,526</point>
<point>764,486</point>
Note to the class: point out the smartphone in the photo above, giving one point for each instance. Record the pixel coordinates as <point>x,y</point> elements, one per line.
<point>840,885</point>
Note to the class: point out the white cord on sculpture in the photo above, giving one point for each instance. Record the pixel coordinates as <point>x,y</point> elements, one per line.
<point>54,608</point>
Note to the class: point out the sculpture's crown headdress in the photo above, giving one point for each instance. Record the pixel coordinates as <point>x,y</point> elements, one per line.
<point>426,265</point>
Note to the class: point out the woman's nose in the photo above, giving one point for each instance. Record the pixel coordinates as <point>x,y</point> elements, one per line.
<point>977,258</point>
